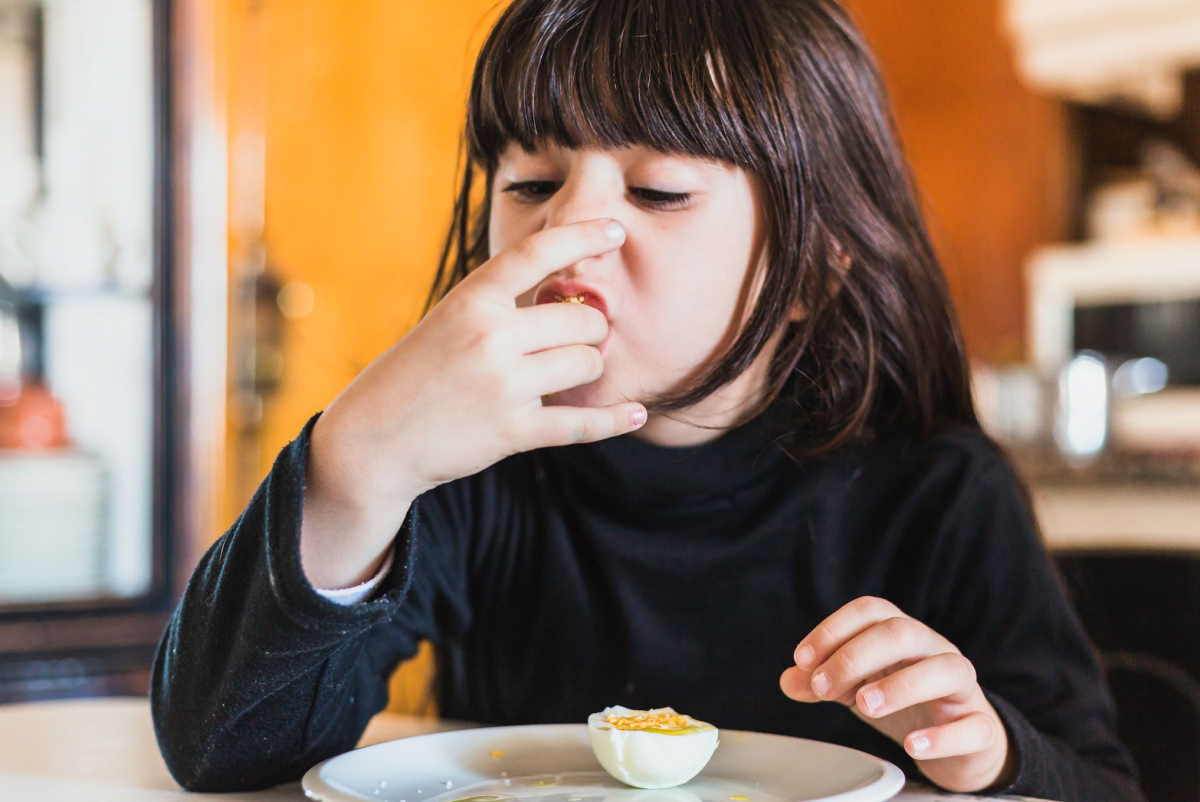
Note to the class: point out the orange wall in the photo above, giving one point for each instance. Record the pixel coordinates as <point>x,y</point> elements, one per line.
<point>362,104</point>
<point>993,162</point>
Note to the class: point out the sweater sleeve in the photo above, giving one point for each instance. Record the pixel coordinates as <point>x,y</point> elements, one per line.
<point>992,591</point>
<point>258,676</point>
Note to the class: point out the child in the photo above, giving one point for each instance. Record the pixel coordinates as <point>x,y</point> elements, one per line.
<point>748,447</point>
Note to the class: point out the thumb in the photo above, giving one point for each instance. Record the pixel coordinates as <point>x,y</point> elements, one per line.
<point>796,684</point>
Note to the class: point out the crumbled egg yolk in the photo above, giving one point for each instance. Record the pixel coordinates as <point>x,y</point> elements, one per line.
<point>652,720</point>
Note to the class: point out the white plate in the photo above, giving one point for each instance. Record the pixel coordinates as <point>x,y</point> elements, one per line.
<point>450,766</point>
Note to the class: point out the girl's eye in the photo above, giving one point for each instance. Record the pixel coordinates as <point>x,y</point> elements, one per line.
<point>536,191</point>
<point>665,200</point>
<point>530,191</point>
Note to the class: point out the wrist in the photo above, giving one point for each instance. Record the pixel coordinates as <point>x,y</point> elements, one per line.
<point>344,546</point>
<point>345,533</point>
<point>1010,757</point>
<point>1008,773</point>
<point>344,473</point>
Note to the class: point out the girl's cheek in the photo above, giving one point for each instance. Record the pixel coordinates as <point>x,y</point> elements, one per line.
<point>507,227</point>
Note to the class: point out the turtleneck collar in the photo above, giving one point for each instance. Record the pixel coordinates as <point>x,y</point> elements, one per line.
<point>637,473</point>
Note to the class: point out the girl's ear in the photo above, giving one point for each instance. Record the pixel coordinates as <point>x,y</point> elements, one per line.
<point>841,261</point>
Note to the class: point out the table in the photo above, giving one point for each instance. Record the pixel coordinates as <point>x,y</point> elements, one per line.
<point>103,750</point>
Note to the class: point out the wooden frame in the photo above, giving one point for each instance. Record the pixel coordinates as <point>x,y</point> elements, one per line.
<point>105,646</point>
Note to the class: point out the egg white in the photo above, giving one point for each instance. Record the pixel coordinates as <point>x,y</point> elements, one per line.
<point>649,759</point>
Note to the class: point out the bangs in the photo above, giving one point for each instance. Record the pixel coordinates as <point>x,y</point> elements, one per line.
<point>662,74</point>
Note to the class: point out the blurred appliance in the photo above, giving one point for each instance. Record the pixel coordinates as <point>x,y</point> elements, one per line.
<point>10,343</point>
<point>1132,52</point>
<point>1135,305</point>
<point>53,506</point>
<point>54,495</point>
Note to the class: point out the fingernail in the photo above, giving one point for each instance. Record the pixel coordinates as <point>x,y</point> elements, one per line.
<point>920,744</point>
<point>614,230</point>
<point>638,417</point>
<point>820,684</point>
<point>805,655</point>
<point>873,699</point>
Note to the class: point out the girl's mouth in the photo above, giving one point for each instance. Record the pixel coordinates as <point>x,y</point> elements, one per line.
<point>576,293</point>
<point>573,292</point>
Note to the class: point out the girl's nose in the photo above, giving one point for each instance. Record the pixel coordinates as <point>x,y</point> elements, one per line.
<point>578,204</point>
<point>589,196</point>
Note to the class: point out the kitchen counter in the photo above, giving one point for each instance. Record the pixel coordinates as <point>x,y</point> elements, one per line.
<point>1117,501</point>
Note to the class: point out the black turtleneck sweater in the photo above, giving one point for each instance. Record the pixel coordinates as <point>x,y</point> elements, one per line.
<point>563,580</point>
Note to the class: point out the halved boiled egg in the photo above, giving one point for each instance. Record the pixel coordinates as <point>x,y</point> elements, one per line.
<point>656,748</point>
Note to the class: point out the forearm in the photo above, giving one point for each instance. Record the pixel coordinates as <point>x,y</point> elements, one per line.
<point>330,561</point>
<point>254,675</point>
<point>348,526</point>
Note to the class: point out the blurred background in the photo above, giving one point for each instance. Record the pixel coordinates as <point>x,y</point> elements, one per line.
<point>214,214</point>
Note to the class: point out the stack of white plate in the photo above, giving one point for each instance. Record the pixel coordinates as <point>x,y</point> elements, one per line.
<point>53,522</point>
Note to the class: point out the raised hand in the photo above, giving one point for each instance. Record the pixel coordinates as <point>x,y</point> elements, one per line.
<point>911,684</point>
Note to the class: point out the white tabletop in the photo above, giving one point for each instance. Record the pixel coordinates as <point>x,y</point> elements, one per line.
<point>103,750</point>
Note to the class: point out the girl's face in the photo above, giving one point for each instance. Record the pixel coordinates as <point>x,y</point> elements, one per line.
<point>677,290</point>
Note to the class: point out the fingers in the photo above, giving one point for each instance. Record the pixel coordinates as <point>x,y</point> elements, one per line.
<point>563,425</point>
<point>899,674</point>
<point>948,677</point>
<point>518,269</point>
<point>561,368</point>
<point>849,620</point>
<point>551,325</point>
<point>973,733</point>
<point>796,683</point>
<point>878,648</point>
<point>569,366</point>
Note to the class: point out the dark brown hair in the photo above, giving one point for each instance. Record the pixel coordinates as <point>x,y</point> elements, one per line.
<point>788,91</point>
